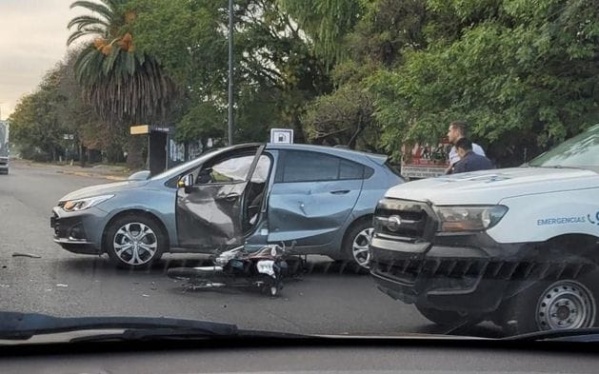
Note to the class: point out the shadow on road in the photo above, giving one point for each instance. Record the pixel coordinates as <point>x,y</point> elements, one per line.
<point>101,265</point>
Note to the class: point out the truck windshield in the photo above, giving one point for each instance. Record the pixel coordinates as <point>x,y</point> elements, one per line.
<point>581,151</point>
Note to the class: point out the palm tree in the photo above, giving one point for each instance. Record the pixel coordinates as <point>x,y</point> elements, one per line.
<point>124,86</point>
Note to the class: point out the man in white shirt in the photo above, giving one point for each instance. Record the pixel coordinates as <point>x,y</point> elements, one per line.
<point>458,130</point>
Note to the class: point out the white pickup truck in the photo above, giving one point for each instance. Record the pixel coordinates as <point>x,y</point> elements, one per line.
<point>516,246</point>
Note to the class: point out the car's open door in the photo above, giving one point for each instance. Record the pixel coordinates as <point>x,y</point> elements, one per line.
<point>210,201</point>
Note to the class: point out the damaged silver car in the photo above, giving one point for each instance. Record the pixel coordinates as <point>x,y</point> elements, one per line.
<point>320,197</point>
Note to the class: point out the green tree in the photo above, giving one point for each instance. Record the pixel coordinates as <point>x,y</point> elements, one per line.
<point>373,41</point>
<point>125,86</point>
<point>276,70</point>
<point>523,73</point>
<point>35,124</point>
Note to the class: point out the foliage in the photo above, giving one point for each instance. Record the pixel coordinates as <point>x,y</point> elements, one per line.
<point>276,72</point>
<point>35,124</point>
<point>368,74</point>
<point>524,75</point>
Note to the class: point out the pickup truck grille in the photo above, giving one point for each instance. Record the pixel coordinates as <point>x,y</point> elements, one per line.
<point>404,220</point>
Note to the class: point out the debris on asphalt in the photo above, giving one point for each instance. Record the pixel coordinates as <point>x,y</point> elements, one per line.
<point>4,285</point>
<point>144,295</point>
<point>31,255</point>
<point>62,285</point>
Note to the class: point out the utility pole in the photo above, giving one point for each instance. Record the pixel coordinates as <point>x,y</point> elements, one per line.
<point>231,103</point>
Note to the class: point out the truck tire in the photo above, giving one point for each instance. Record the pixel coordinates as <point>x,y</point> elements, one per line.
<point>561,304</point>
<point>448,318</point>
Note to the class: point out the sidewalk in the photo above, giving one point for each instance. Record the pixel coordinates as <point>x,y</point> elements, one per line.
<point>110,172</point>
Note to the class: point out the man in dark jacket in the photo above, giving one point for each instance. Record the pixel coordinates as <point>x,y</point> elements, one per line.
<point>470,161</point>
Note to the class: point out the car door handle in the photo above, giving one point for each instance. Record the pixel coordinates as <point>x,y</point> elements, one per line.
<point>340,192</point>
<point>229,197</point>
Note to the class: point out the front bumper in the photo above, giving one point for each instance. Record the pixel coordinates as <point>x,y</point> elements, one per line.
<point>78,232</point>
<point>4,164</point>
<point>464,273</point>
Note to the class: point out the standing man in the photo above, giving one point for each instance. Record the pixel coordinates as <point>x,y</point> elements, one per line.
<point>458,130</point>
<point>469,161</point>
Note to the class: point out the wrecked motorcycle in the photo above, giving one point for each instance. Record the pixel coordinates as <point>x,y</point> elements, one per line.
<point>263,269</point>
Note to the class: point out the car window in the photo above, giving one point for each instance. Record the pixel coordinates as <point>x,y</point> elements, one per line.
<point>299,166</point>
<point>350,170</point>
<point>230,170</point>
<point>302,166</point>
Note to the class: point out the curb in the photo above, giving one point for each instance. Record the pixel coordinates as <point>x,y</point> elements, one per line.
<point>92,175</point>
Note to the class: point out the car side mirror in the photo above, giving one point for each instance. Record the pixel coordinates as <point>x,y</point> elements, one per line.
<point>186,182</point>
<point>139,176</point>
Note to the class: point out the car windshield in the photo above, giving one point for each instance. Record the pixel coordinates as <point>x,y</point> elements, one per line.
<point>581,151</point>
<point>402,167</point>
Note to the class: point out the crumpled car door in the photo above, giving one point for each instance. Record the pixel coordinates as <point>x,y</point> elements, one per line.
<point>209,214</point>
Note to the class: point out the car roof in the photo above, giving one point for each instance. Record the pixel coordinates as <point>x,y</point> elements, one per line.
<point>342,152</point>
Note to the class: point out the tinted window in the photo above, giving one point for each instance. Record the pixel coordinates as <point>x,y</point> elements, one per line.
<point>350,170</point>
<point>309,166</point>
<point>299,166</point>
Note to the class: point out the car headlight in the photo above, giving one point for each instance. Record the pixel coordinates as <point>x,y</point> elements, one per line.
<point>469,218</point>
<point>86,203</point>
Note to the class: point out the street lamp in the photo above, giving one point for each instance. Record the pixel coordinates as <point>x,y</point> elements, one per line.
<point>230,114</point>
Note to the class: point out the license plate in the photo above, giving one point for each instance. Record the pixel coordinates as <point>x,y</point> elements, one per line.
<point>266,267</point>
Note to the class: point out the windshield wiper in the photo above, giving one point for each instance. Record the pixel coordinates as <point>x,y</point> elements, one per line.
<point>23,326</point>
<point>570,335</point>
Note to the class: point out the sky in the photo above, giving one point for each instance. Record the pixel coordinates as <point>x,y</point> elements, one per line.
<point>33,36</point>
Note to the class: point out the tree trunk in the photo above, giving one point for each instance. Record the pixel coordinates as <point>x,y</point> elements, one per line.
<point>135,145</point>
<point>82,155</point>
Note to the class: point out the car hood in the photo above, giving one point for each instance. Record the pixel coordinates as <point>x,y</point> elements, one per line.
<point>492,186</point>
<point>102,189</point>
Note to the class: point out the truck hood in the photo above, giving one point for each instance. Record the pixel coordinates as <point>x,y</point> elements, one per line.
<point>492,186</point>
<point>102,189</point>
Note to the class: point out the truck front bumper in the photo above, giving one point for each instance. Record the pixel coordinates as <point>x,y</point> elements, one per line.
<point>464,273</point>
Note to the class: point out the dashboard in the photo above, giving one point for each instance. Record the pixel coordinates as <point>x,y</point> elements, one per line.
<point>301,356</point>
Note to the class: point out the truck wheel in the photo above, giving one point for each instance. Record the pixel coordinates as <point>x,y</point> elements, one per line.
<point>134,242</point>
<point>356,242</point>
<point>564,304</point>
<point>447,318</point>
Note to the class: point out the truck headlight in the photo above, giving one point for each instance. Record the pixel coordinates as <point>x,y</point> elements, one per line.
<point>86,203</point>
<point>469,218</point>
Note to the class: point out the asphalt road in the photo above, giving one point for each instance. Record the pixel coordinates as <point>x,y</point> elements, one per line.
<point>324,301</point>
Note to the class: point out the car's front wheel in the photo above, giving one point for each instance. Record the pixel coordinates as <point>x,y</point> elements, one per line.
<point>134,242</point>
